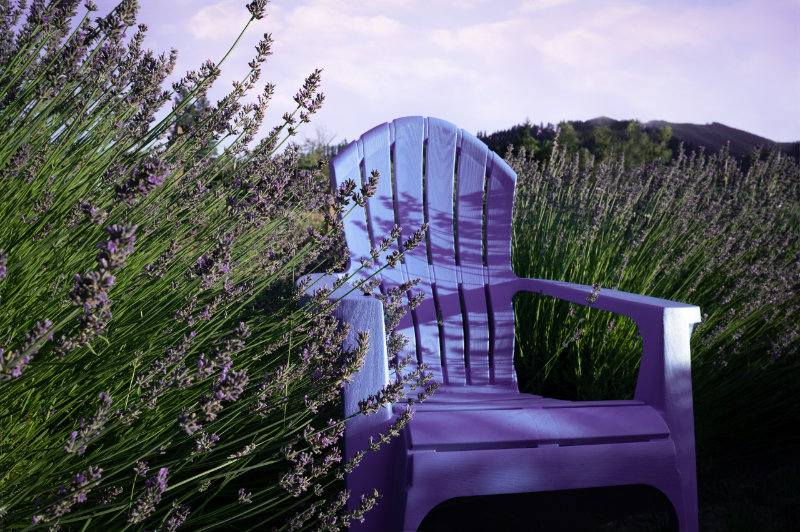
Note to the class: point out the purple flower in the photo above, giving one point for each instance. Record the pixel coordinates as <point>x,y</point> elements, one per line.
<point>11,363</point>
<point>158,483</point>
<point>141,469</point>
<point>95,215</point>
<point>3,263</point>
<point>230,385</point>
<point>213,265</point>
<point>110,493</point>
<point>145,505</point>
<point>119,245</point>
<point>176,518</point>
<point>66,499</point>
<point>90,430</point>
<point>257,8</point>
<point>187,421</point>
<point>144,180</point>
<point>90,289</point>
<point>205,443</point>
<point>165,371</point>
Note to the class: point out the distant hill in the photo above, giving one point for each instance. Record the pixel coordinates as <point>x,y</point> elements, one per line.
<point>640,142</point>
<point>714,136</point>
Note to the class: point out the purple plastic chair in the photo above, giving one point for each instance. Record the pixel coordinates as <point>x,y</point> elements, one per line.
<point>478,435</point>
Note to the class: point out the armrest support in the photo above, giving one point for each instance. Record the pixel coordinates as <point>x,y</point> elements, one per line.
<point>363,313</point>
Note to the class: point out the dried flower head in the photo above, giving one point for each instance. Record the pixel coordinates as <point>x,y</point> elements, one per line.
<point>258,8</point>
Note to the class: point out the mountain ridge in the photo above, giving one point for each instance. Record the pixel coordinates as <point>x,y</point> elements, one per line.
<point>653,139</point>
<point>714,135</point>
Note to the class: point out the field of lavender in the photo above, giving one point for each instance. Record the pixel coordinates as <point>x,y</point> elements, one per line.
<point>697,230</point>
<point>156,370</point>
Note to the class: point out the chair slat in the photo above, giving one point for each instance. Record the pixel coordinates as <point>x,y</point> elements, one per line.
<point>502,338</point>
<point>473,295</point>
<point>449,302</point>
<point>409,138</point>
<point>469,202</point>
<point>499,202</point>
<point>469,241</point>
<point>520,427</point>
<point>440,172</point>
<point>380,209</point>
<point>346,166</point>
<point>380,215</point>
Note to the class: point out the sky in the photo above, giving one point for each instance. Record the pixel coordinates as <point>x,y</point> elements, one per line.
<point>488,65</point>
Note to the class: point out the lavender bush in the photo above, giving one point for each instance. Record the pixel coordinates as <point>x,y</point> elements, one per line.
<point>697,230</point>
<point>156,370</point>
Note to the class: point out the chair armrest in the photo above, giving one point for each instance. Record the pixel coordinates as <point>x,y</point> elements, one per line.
<point>362,313</point>
<point>635,306</point>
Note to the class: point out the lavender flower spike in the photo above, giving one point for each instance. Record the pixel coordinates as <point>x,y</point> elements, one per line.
<point>145,505</point>
<point>90,430</point>
<point>3,262</point>
<point>258,8</point>
<point>244,497</point>
<point>205,442</point>
<point>12,363</point>
<point>144,180</point>
<point>176,518</point>
<point>79,489</point>
<point>119,245</point>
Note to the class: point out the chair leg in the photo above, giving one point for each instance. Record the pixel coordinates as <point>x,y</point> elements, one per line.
<point>684,503</point>
<point>686,508</point>
<point>414,514</point>
<point>377,471</point>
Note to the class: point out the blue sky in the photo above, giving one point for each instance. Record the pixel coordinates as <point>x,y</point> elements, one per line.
<point>490,64</point>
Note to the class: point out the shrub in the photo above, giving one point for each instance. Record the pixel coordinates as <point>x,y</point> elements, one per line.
<point>155,367</point>
<point>696,230</point>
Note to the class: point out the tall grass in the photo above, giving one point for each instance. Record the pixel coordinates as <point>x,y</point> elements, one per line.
<point>696,230</point>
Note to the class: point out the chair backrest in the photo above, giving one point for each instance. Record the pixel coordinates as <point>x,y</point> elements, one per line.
<point>433,172</point>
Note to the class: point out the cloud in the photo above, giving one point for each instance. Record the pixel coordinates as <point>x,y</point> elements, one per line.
<point>539,5</point>
<point>466,4</point>
<point>324,23</point>
<point>218,21</point>
<point>494,43</point>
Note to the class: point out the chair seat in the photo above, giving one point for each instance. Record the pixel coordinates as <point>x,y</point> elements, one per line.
<point>449,398</point>
<point>532,424</point>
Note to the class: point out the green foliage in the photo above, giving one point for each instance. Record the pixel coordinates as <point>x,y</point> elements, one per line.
<point>639,147</point>
<point>316,152</point>
<point>192,114</point>
<point>155,365</point>
<point>697,230</point>
<point>586,140</point>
